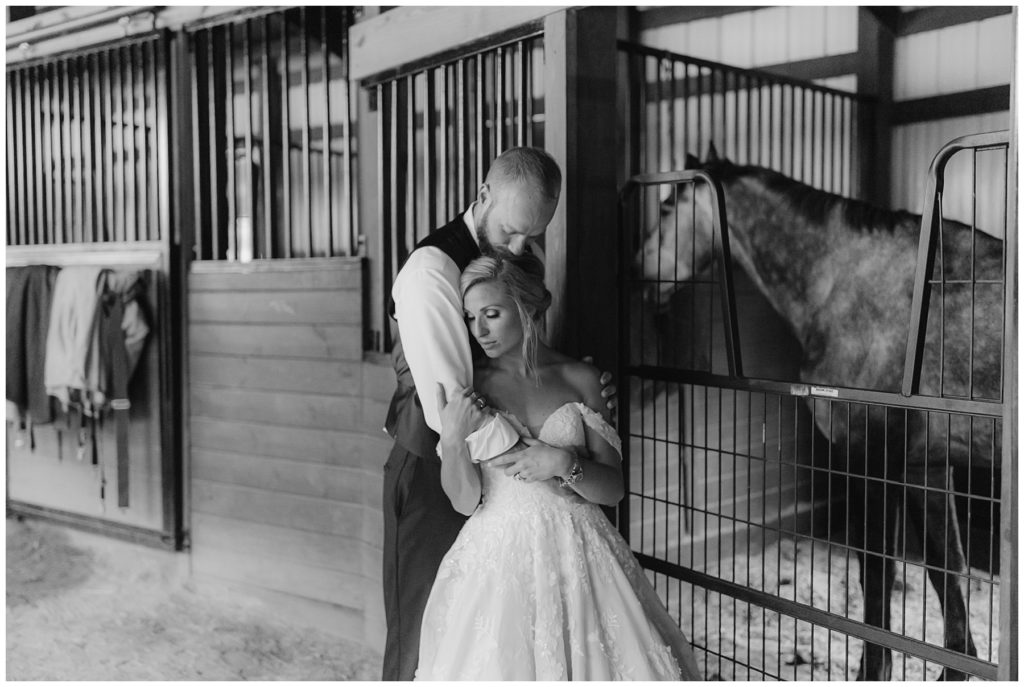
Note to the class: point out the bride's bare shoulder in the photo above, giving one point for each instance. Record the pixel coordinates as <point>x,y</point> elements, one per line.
<point>583,378</point>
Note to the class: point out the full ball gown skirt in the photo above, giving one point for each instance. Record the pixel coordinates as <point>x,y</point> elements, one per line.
<point>540,586</point>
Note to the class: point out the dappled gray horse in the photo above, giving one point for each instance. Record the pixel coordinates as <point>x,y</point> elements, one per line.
<point>840,273</point>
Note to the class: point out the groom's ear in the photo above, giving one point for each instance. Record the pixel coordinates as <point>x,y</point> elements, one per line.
<point>483,193</point>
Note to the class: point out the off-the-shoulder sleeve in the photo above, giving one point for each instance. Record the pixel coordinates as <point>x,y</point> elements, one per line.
<point>597,423</point>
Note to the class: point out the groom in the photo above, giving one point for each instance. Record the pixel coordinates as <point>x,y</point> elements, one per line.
<point>514,206</point>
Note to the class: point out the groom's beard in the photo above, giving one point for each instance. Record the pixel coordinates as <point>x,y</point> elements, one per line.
<point>486,247</point>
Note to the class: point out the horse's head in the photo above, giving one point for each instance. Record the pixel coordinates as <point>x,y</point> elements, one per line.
<point>679,245</point>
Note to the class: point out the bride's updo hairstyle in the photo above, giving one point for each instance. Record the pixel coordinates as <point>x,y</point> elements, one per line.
<point>521,277</point>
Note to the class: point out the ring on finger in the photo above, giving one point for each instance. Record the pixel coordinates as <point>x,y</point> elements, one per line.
<point>481,403</point>
<point>519,477</point>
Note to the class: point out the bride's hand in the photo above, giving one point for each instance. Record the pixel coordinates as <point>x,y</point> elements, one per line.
<point>537,462</point>
<point>463,414</point>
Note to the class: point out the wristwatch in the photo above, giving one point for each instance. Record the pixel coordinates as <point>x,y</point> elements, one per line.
<point>575,474</point>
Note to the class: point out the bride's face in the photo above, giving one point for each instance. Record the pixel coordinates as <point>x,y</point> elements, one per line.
<point>493,319</point>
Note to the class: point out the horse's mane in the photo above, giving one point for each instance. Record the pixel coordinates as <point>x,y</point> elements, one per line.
<point>815,204</point>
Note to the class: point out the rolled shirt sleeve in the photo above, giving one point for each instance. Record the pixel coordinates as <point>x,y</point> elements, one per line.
<point>428,310</point>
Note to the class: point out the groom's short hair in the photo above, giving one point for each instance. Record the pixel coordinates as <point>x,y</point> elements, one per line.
<point>533,166</point>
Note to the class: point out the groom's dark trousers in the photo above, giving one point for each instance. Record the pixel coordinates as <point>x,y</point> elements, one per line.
<point>420,524</point>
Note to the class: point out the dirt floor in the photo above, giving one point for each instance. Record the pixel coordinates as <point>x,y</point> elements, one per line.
<point>746,642</point>
<point>81,607</point>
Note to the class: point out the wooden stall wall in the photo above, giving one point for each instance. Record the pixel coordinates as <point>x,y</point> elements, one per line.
<point>285,439</point>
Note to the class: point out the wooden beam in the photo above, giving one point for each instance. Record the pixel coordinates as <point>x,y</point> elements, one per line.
<point>963,104</point>
<point>580,131</point>
<point>404,34</point>
<point>680,14</point>
<point>940,17</point>
<point>876,47</point>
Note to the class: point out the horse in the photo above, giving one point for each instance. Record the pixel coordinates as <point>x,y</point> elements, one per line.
<point>840,273</point>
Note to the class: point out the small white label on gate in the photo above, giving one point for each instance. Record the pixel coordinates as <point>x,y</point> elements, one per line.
<point>824,391</point>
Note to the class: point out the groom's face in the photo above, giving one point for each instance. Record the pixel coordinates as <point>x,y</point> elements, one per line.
<point>511,216</point>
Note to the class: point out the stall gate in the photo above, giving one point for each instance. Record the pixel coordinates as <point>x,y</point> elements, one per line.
<point>756,502</point>
<point>440,122</point>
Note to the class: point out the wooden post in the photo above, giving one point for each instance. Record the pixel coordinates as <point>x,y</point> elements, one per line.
<point>876,58</point>
<point>580,244</point>
<point>1009,594</point>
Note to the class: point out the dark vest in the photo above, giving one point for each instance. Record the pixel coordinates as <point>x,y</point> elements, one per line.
<point>405,422</point>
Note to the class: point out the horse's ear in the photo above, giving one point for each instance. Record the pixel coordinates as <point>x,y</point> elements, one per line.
<point>712,153</point>
<point>691,162</point>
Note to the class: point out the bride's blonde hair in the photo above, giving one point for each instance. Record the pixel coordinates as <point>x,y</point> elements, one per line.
<point>521,277</point>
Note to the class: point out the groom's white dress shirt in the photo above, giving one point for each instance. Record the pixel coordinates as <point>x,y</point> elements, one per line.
<point>435,340</point>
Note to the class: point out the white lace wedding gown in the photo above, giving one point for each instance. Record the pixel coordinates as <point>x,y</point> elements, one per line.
<point>540,586</point>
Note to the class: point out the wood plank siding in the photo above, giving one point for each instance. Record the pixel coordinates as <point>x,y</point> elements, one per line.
<point>285,439</point>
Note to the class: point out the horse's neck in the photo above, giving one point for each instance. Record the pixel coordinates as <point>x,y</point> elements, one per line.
<point>794,259</point>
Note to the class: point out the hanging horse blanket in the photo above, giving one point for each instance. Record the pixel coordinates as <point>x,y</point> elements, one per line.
<point>97,332</point>
<point>29,293</point>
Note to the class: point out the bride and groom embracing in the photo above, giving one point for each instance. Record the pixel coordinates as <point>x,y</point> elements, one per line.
<point>496,426</point>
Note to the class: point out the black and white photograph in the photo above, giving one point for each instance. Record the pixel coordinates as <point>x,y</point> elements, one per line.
<point>512,343</point>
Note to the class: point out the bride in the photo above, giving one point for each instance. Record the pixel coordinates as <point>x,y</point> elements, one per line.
<point>538,585</point>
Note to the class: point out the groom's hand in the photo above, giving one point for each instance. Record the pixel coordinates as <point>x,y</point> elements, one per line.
<point>608,390</point>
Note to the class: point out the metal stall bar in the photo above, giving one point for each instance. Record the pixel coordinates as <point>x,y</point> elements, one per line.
<point>714,96</point>
<point>931,222</point>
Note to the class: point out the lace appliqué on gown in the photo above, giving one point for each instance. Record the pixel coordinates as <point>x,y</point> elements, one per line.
<point>540,586</point>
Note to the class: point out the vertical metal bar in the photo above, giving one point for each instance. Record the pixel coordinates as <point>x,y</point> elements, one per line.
<point>162,109</point>
<point>154,153</point>
<point>461,104</point>
<point>661,148</point>
<point>13,238</point>
<point>349,195</point>
<point>117,136</point>
<point>109,202</point>
<point>499,93</point>
<point>142,152</point>
<point>198,235</point>
<point>130,153</point>
<point>249,161</point>
<point>429,151</point>
<point>444,178</point>
<point>523,93</point>
<point>96,171</point>
<point>307,200</point>
<point>57,153</point>
<point>213,152</point>
<point>137,104</point>
<point>288,239</point>
<point>67,148</point>
<point>973,276</point>
<point>383,218</point>
<point>330,234</point>
<point>23,151</point>
<point>411,207</point>
<point>39,160</point>
<point>393,181</point>
<point>20,152</point>
<point>480,134</point>
<point>675,151</point>
<point>267,147</point>
<point>528,82</point>
<point>86,160</point>
<point>229,152</point>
